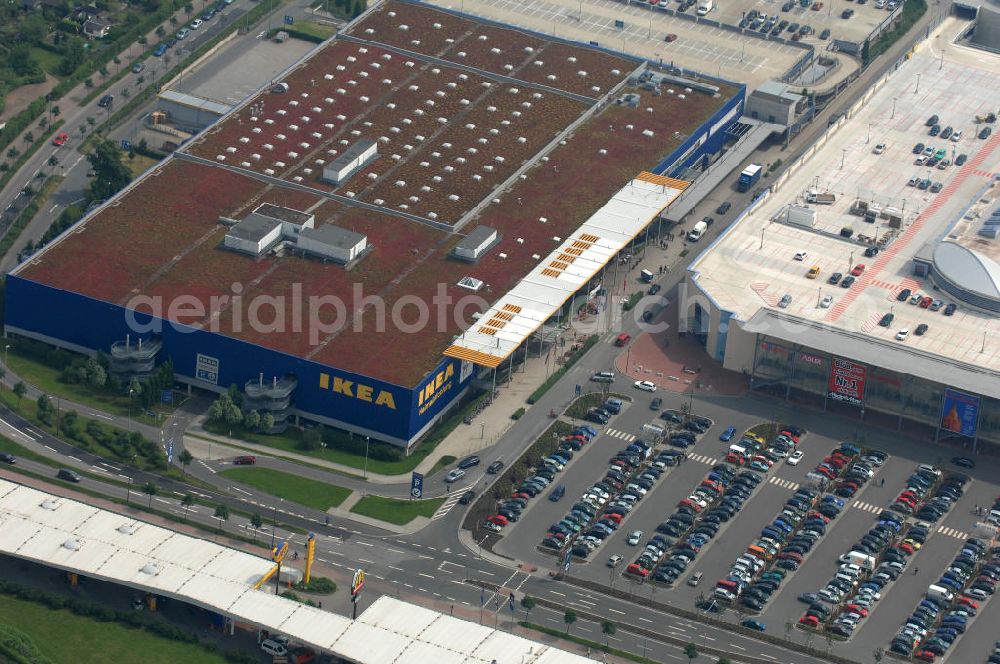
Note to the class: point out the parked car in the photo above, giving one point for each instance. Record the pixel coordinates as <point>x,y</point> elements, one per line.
<point>454,476</point>
<point>469,462</point>
<point>245,460</point>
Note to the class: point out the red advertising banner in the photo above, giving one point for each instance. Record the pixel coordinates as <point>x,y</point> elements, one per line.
<point>847,381</point>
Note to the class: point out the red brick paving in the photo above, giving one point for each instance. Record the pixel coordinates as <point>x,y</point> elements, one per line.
<point>661,357</point>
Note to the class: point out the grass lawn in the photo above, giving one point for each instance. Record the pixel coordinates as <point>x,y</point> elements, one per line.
<point>321,30</point>
<point>46,379</point>
<point>301,490</point>
<point>399,512</point>
<point>47,60</point>
<point>84,640</point>
<point>10,447</point>
<point>139,164</point>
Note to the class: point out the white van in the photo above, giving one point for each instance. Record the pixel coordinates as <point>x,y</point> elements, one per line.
<point>699,229</point>
<point>273,648</point>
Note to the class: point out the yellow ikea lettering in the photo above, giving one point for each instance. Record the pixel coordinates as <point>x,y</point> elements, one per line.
<point>349,388</point>
<point>435,384</point>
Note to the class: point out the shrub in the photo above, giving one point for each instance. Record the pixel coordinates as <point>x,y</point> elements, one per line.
<point>516,415</point>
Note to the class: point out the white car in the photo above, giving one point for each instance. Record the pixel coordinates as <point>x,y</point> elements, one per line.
<point>879,149</point>
<point>795,457</point>
<point>197,23</point>
<point>614,560</point>
<point>801,256</point>
<point>454,475</point>
<point>826,302</point>
<point>633,539</point>
<point>645,385</point>
<point>902,334</point>
<point>956,136</point>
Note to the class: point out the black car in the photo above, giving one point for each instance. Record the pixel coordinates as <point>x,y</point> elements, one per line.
<point>647,316</point>
<point>469,462</point>
<point>871,252</point>
<point>886,320</point>
<point>921,329</point>
<point>655,403</point>
<point>708,221</point>
<point>835,278</point>
<point>985,132</point>
<point>950,309</point>
<point>492,469</point>
<point>963,462</point>
<point>723,207</point>
<point>904,295</point>
<point>847,282</point>
<point>7,458</point>
<point>961,159</point>
<point>654,289</point>
<point>467,497</point>
<point>918,148</point>
<point>106,101</point>
<point>68,475</point>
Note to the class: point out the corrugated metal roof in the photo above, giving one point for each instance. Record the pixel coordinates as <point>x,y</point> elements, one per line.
<point>968,268</point>
<point>200,103</point>
<point>538,296</point>
<point>74,536</point>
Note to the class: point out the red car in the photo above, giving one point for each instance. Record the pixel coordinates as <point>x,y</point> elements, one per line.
<point>498,519</point>
<point>858,269</point>
<point>735,459</point>
<point>60,139</point>
<point>247,460</point>
<point>637,570</point>
<point>809,621</point>
<point>926,302</point>
<point>926,656</point>
<point>670,38</point>
<point>968,602</point>
<point>617,518</point>
<point>622,339</point>
<point>860,610</point>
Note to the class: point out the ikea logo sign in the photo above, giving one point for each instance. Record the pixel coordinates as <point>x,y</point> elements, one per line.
<point>434,388</point>
<point>359,391</point>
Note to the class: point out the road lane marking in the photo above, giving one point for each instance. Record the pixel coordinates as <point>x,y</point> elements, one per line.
<point>616,611</point>
<point>427,576</point>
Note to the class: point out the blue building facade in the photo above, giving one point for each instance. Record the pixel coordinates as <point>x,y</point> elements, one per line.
<point>209,360</point>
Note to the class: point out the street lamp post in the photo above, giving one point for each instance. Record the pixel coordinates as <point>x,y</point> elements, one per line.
<point>128,491</point>
<point>893,108</point>
<point>130,393</point>
<point>367,440</point>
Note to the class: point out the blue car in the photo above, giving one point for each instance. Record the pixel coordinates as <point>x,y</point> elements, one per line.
<point>591,430</point>
<point>728,434</point>
<point>833,499</point>
<point>160,50</point>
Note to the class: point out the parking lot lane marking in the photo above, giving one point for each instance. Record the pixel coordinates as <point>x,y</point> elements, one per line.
<point>398,569</point>
<point>365,543</point>
<point>426,576</point>
<point>370,562</point>
<point>392,550</point>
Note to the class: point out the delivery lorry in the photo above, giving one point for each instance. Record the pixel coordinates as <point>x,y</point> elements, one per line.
<point>705,6</point>
<point>695,233</point>
<point>821,197</point>
<point>749,177</point>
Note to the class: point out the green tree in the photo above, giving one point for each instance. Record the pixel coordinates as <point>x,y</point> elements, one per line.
<point>150,490</point>
<point>185,458</point>
<point>690,651</point>
<point>311,438</point>
<point>161,31</point>
<point>527,603</point>
<point>73,56</point>
<point>188,8</point>
<point>44,404</point>
<point>252,420</point>
<point>20,389</point>
<point>266,423</point>
<point>878,654</point>
<point>21,62</point>
<point>95,374</point>
<point>29,137</point>
<point>866,52</point>
<point>32,29</point>
<point>256,521</point>
<point>569,618</point>
<point>724,660</point>
<point>232,414</point>
<point>608,629</point>
<point>110,177</point>
<point>221,513</point>
<point>217,411</point>
<point>187,501</point>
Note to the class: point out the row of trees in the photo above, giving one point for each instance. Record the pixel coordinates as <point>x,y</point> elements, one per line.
<point>228,408</point>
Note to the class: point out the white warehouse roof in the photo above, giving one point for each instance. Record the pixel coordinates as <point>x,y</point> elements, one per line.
<point>73,536</point>
<point>516,315</point>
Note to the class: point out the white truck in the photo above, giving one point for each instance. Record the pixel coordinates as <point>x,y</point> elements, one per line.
<point>699,229</point>
<point>940,594</point>
<point>705,6</point>
<point>862,560</point>
<point>821,197</point>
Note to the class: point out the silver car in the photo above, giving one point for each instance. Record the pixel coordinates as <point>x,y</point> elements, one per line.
<point>786,299</point>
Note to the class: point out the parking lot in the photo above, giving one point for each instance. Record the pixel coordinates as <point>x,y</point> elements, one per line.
<point>817,14</point>
<point>702,48</point>
<point>944,540</point>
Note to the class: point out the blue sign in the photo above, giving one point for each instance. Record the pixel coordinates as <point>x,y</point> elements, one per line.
<point>416,485</point>
<point>167,396</point>
<point>960,413</point>
<point>289,19</point>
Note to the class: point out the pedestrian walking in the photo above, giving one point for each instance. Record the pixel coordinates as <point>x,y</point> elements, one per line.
<point>915,570</point>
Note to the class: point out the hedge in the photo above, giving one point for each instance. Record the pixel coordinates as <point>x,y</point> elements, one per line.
<point>517,414</point>
<point>632,300</point>
<point>320,585</point>
<point>559,373</point>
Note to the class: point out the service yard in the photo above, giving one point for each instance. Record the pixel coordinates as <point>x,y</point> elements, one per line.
<point>857,518</point>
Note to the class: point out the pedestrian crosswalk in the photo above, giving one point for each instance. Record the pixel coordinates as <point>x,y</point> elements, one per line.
<point>700,458</point>
<point>446,506</point>
<point>867,507</point>
<point>621,435</point>
<point>952,532</point>
<point>788,484</point>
